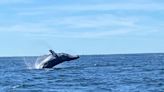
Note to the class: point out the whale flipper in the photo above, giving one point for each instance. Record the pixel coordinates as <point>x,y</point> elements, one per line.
<point>53,53</point>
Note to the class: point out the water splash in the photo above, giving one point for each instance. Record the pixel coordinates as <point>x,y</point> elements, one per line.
<point>41,60</point>
<point>29,62</point>
<point>36,63</point>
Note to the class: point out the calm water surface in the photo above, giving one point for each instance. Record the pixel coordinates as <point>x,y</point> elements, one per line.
<point>92,73</point>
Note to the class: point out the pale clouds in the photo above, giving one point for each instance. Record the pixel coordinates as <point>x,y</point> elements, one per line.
<point>55,8</point>
<point>80,24</point>
<point>5,2</point>
<point>97,21</point>
<point>29,28</point>
<point>115,6</point>
<point>83,34</point>
<point>103,6</point>
<point>89,26</point>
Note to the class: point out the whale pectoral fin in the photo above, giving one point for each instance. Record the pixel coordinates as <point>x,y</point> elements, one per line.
<point>53,53</point>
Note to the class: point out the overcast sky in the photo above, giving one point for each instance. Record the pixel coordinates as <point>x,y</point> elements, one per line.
<point>31,27</point>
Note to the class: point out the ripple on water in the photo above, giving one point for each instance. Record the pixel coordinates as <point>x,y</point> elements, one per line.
<point>109,73</point>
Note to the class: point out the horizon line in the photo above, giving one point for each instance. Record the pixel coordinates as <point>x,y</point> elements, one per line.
<point>91,54</point>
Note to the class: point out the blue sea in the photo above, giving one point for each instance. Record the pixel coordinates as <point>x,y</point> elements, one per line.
<point>90,73</point>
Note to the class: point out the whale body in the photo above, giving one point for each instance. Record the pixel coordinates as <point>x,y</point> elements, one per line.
<point>54,59</point>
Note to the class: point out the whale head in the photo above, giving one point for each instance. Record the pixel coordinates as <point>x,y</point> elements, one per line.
<point>67,57</point>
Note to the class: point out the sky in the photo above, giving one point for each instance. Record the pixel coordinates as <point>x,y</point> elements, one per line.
<point>32,27</point>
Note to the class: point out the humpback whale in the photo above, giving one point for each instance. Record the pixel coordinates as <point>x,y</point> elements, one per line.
<point>56,58</point>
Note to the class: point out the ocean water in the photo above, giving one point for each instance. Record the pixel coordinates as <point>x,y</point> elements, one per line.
<point>90,73</point>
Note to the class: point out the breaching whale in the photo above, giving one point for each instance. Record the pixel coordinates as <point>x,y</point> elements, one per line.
<point>56,58</point>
